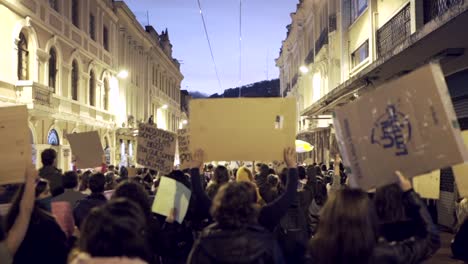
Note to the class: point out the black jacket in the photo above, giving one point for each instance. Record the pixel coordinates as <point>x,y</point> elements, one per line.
<point>416,249</point>
<point>44,242</point>
<point>84,206</point>
<point>54,176</point>
<point>252,244</point>
<point>460,243</point>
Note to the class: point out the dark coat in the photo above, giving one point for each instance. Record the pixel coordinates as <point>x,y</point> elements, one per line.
<point>44,242</point>
<point>460,243</point>
<point>84,206</point>
<point>252,244</point>
<point>54,176</point>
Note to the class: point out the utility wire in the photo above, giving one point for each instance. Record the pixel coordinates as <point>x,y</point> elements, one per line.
<point>240,48</point>
<point>209,44</point>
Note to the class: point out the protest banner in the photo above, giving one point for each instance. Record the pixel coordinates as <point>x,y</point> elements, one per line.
<point>407,124</point>
<point>243,128</point>
<point>185,156</point>
<point>428,185</point>
<point>15,141</point>
<point>171,195</point>
<point>132,172</point>
<point>87,149</point>
<point>460,172</point>
<point>156,148</point>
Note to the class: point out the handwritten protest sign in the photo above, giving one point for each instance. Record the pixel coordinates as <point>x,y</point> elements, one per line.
<point>243,128</point>
<point>408,124</point>
<point>156,148</point>
<point>15,143</point>
<point>428,185</point>
<point>460,172</point>
<point>171,195</point>
<point>87,149</point>
<point>185,156</point>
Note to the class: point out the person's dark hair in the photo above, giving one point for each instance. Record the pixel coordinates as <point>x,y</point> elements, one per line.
<point>324,167</point>
<point>48,157</point>
<point>318,171</point>
<point>347,230</point>
<point>115,229</point>
<point>264,170</point>
<point>70,180</point>
<point>210,166</point>
<point>271,171</point>
<point>301,172</point>
<point>234,206</point>
<point>84,182</point>
<point>136,193</point>
<point>272,180</point>
<point>139,171</point>
<point>221,175</point>
<point>123,172</point>
<point>388,201</point>
<point>111,167</point>
<point>97,183</point>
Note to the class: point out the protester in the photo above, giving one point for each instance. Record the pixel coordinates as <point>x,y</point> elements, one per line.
<point>11,241</point>
<point>270,191</point>
<point>50,172</point>
<point>235,237</point>
<point>348,231</point>
<point>96,198</point>
<point>44,239</point>
<point>270,214</point>
<point>114,233</point>
<point>84,182</point>
<point>261,179</point>
<point>335,183</point>
<point>70,195</point>
<point>460,242</point>
<point>220,177</point>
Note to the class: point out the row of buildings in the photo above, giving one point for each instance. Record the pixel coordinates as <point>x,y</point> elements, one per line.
<point>336,50</point>
<point>85,65</point>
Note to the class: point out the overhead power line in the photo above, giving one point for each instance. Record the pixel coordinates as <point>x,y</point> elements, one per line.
<point>209,45</point>
<point>240,48</point>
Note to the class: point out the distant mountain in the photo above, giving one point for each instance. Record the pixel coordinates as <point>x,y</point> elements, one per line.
<point>197,94</point>
<point>268,88</point>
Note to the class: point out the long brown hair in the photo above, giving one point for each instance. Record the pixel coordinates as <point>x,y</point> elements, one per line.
<point>347,232</point>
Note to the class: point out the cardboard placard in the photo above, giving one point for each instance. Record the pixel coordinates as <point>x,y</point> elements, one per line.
<point>428,185</point>
<point>460,172</point>
<point>171,194</point>
<point>185,156</point>
<point>408,124</point>
<point>15,144</point>
<point>243,128</point>
<point>87,149</point>
<point>156,148</point>
<point>132,172</point>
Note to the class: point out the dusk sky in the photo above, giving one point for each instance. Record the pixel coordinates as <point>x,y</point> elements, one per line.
<point>264,27</point>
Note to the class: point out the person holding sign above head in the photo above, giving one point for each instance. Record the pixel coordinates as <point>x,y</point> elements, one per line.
<point>348,219</point>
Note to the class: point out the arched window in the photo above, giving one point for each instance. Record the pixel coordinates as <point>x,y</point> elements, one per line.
<point>23,57</point>
<point>52,68</point>
<point>75,80</point>
<point>75,8</point>
<point>92,89</point>
<point>106,94</point>
<point>53,138</point>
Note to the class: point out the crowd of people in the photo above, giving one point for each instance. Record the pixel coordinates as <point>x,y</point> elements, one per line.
<point>294,214</point>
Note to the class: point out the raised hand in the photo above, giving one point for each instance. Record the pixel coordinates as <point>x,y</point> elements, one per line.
<point>290,157</point>
<point>405,183</point>
<point>198,158</point>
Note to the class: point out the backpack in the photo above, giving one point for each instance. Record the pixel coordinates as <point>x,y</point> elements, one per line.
<point>292,234</point>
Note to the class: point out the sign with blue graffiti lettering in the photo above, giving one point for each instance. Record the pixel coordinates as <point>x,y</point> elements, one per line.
<point>392,131</point>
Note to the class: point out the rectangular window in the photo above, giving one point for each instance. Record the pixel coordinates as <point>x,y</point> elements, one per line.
<point>360,54</point>
<point>105,38</point>
<point>54,5</point>
<point>357,8</point>
<point>92,27</point>
<point>75,7</point>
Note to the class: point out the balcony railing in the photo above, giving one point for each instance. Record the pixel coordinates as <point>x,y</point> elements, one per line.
<point>394,31</point>
<point>332,22</point>
<point>435,8</point>
<point>32,93</point>
<point>322,40</point>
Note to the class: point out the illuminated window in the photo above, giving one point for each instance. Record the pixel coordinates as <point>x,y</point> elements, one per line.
<point>360,54</point>
<point>75,80</point>
<point>53,138</point>
<point>23,57</point>
<point>357,8</point>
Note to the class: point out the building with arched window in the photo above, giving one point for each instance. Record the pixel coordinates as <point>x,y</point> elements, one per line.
<point>62,59</point>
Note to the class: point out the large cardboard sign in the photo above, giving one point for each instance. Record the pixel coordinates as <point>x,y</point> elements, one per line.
<point>408,124</point>
<point>87,149</point>
<point>185,156</point>
<point>243,128</point>
<point>156,148</point>
<point>15,144</point>
<point>461,172</point>
<point>428,185</point>
<point>171,195</point>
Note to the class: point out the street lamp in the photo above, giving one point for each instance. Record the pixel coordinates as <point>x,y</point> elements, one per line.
<point>184,122</point>
<point>304,69</point>
<point>123,74</point>
<point>164,106</point>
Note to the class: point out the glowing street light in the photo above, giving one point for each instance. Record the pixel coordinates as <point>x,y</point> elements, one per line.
<point>184,122</point>
<point>164,106</point>
<point>304,69</point>
<point>123,74</point>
